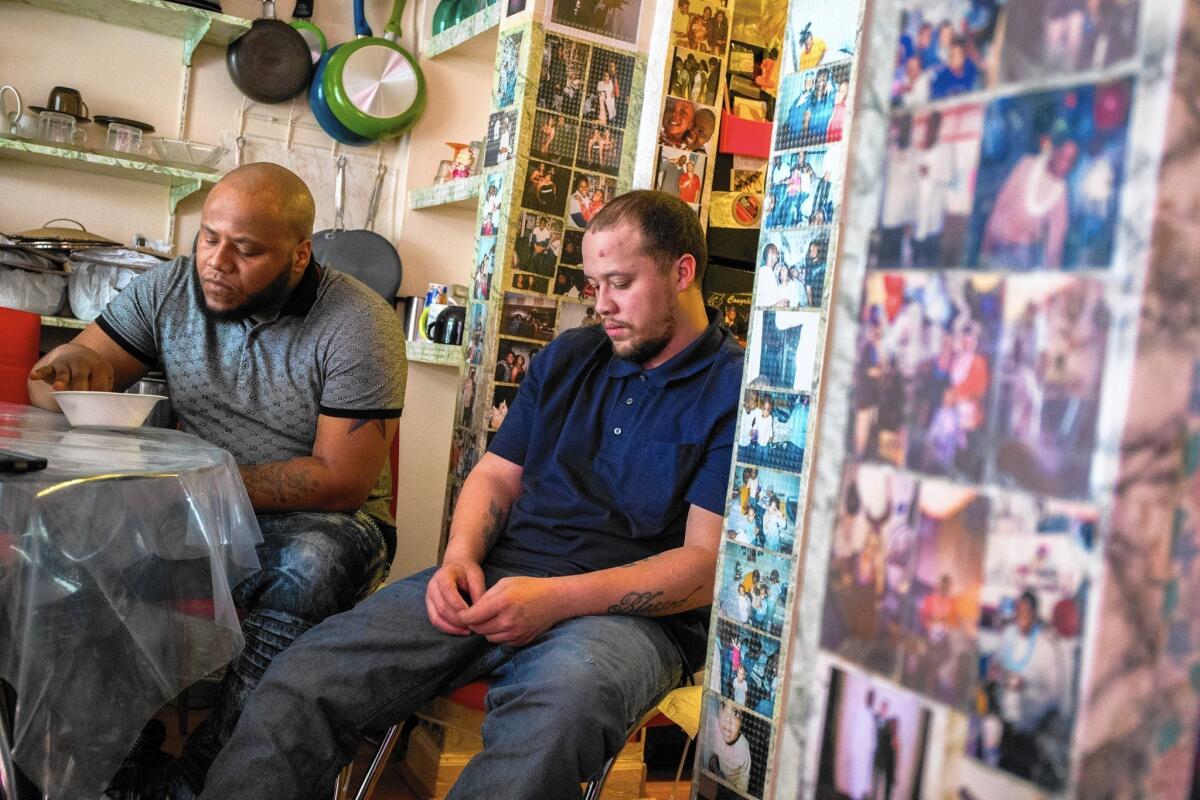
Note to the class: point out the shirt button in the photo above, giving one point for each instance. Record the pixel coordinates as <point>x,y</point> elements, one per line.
<point>617,431</point>
<point>628,401</point>
<point>641,377</point>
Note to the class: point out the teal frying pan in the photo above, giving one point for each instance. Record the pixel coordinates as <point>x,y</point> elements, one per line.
<point>372,85</point>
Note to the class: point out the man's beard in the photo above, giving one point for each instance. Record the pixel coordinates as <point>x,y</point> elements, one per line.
<point>270,296</point>
<point>642,350</point>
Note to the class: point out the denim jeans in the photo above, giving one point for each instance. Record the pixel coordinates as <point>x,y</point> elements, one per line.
<point>314,565</point>
<point>558,707</point>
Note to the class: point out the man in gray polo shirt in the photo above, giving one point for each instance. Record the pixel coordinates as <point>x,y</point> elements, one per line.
<point>296,369</point>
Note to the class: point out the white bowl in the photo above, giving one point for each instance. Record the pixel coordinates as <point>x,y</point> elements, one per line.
<point>106,409</point>
<point>184,151</point>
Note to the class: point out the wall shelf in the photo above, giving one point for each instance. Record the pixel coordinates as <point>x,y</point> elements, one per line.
<point>453,192</point>
<point>183,182</point>
<point>464,31</point>
<point>426,352</point>
<point>64,322</point>
<point>192,25</point>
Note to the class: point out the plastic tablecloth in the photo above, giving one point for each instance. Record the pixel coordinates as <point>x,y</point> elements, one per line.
<point>116,568</point>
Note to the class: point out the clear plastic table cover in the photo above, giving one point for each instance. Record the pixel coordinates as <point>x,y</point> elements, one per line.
<point>116,568</point>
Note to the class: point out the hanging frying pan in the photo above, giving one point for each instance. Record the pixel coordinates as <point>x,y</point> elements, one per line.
<point>372,85</point>
<point>313,37</point>
<point>269,63</point>
<point>363,254</point>
<point>320,109</point>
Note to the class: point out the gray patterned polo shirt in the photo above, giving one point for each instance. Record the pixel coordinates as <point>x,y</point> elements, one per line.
<point>256,388</point>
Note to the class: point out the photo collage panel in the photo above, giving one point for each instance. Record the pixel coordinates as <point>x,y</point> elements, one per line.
<point>754,588</point>
<point>982,378</point>
<point>906,572</point>
<point>874,737</point>
<point>612,19</point>
<point>948,48</point>
<point>1033,606</point>
<point>772,430</point>
<point>784,350</point>
<point>764,507</point>
<point>733,751</point>
<point>746,668</point>
<point>694,79</point>
<point>804,188</point>
<point>813,106</point>
<point>578,139</point>
<point>791,268</point>
<point>926,369</point>
<point>508,60</point>
<point>1025,182</point>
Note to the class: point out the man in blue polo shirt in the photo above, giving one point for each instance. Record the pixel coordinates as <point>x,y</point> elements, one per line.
<point>581,555</point>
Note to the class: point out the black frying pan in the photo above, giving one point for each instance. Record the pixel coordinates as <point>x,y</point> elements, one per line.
<point>364,254</point>
<point>271,62</point>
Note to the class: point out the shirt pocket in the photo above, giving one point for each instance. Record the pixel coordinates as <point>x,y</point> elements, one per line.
<point>650,483</point>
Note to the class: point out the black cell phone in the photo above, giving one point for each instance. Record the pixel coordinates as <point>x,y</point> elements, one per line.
<point>20,462</point>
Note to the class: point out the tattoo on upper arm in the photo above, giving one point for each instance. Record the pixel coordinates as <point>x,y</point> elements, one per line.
<point>647,604</point>
<point>379,425</point>
<point>493,524</point>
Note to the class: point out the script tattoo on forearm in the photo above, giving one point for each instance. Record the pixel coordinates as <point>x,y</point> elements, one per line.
<point>378,424</point>
<point>279,484</point>
<point>647,604</point>
<point>493,523</point>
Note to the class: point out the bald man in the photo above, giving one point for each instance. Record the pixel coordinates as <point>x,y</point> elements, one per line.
<point>296,369</point>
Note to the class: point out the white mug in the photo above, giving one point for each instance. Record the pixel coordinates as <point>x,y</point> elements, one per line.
<point>9,120</point>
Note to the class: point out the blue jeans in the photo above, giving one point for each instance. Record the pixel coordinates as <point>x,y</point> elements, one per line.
<point>558,708</point>
<point>314,565</point>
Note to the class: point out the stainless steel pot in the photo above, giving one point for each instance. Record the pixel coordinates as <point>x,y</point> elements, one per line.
<point>163,415</point>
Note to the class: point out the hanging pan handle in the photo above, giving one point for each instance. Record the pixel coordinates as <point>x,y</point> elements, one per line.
<point>376,192</point>
<point>391,31</point>
<point>339,194</point>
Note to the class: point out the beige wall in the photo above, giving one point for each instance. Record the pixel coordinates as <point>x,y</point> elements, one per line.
<point>136,74</point>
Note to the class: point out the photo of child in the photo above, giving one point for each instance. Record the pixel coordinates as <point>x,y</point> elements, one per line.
<point>746,667</point>
<point>686,125</point>
<point>763,508</point>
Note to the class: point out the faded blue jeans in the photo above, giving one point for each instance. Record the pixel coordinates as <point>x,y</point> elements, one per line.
<point>558,708</point>
<point>314,565</point>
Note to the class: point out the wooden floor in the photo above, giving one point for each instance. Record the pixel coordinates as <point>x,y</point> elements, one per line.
<point>392,785</point>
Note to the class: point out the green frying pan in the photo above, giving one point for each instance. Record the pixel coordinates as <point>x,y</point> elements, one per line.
<point>314,37</point>
<point>372,85</point>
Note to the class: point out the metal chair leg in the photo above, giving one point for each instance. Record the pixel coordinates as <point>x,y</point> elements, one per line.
<point>8,771</point>
<point>596,785</point>
<point>375,771</point>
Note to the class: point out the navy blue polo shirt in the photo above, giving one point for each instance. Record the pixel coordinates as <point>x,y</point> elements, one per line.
<point>613,455</point>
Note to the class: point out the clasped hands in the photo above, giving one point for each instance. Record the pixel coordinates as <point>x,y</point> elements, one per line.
<point>513,612</point>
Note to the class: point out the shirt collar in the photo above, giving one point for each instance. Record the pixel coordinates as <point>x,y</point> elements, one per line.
<point>304,296</point>
<point>696,356</point>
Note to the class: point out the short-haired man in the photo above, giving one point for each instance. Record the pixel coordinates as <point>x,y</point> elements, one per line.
<point>296,369</point>
<point>581,553</point>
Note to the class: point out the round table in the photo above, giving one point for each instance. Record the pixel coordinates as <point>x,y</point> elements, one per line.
<point>117,563</point>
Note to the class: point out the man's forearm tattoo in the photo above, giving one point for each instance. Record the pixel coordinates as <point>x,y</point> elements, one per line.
<point>279,484</point>
<point>379,425</point>
<point>493,524</point>
<point>647,604</point>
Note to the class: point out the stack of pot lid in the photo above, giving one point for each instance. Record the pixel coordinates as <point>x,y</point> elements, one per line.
<point>123,257</point>
<point>60,239</point>
<point>26,258</point>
